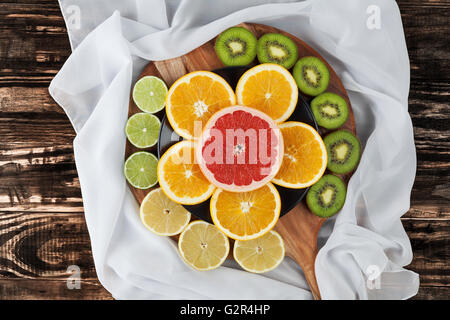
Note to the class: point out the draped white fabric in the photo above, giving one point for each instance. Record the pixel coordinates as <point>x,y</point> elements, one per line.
<point>363,40</point>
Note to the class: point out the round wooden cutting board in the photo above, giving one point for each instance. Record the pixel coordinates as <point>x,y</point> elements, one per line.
<point>299,228</point>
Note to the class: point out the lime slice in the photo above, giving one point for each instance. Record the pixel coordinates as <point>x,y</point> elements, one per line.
<point>140,170</point>
<point>142,129</point>
<point>163,216</point>
<point>149,94</point>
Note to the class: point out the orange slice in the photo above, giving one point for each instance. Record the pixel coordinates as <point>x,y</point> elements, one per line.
<point>305,156</point>
<point>180,177</point>
<point>269,88</point>
<point>246,215</point>
<point>194,98</point>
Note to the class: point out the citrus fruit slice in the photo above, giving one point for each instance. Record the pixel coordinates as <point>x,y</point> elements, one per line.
<point>163,216</point>
<point>149,94</point>
<point>194,98</point>
<point>269,88</point>
<point>240,149</point>
<point>140,170</point>
<point>180,177</point>
<point>260,255</point>
<point>142,130</point>
<point>202,246</point>
<point>305,156</point>
<point>246,215</point>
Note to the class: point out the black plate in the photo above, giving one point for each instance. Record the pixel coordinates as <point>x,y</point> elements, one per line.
<point>302,113</point>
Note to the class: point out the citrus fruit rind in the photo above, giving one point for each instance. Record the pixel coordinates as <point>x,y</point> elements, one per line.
<point>202,246</point>
<point>305,156</point>
<point>163,216</point>
<point>194,98</point>
<point>260,255</point>
<point>140,170</point>
<point>142,129</point>
<point>149,94</point>
<point>269,88</point>
<point>229,150</point>
<point>246,215</point>
<point>178,173</point>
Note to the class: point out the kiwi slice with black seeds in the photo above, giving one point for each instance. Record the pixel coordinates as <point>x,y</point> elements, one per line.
<point>327,196</point>
<point>330,110</point>
<point>277,48</point>
<point>312,75</point>
<point>236,46</point>
<point>344,151</point>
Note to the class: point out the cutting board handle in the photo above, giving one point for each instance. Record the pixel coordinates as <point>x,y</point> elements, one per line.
<point>299,229</point>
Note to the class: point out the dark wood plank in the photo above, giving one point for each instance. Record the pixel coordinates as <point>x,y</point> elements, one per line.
<point>38,289</point>
<point>36,250</point>
<point>33,43</point>
<point>37,169</point>
<point>429,240</point>
<point>433,293</point>
<point>44,245</point>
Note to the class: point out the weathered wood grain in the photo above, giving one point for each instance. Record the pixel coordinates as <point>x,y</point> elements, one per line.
<point>36,157</point>
<point>429,240</point>
<point>44,245</point>
<point>33,43</point>
<point>38,289</point>
<point>433,293</point>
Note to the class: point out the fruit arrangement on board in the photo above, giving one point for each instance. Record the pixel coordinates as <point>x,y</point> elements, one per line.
<point>238,145</point>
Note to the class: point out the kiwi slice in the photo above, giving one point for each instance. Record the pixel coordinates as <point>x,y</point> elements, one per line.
<point>277,48</point>
<point>312,75</point>
<point>330,110</point>
<point>327,196</point>
<point>236,46</point>
<point>343,150</point>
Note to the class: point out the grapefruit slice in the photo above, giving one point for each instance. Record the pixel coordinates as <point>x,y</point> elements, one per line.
<point>240,149</point>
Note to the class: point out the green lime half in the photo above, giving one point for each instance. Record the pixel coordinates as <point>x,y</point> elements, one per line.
<point>142,129</point>
<point>149,94</point>
<point>140,170</point>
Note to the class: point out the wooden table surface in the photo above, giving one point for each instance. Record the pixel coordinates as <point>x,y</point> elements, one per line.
<point>42,226</point>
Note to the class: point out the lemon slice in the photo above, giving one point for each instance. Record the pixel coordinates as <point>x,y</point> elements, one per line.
<point>260,255</point>
<point>202,246</point>
<point>163,216</point>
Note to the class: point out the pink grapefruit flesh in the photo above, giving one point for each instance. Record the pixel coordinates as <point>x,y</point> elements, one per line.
<point>240,149</point>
